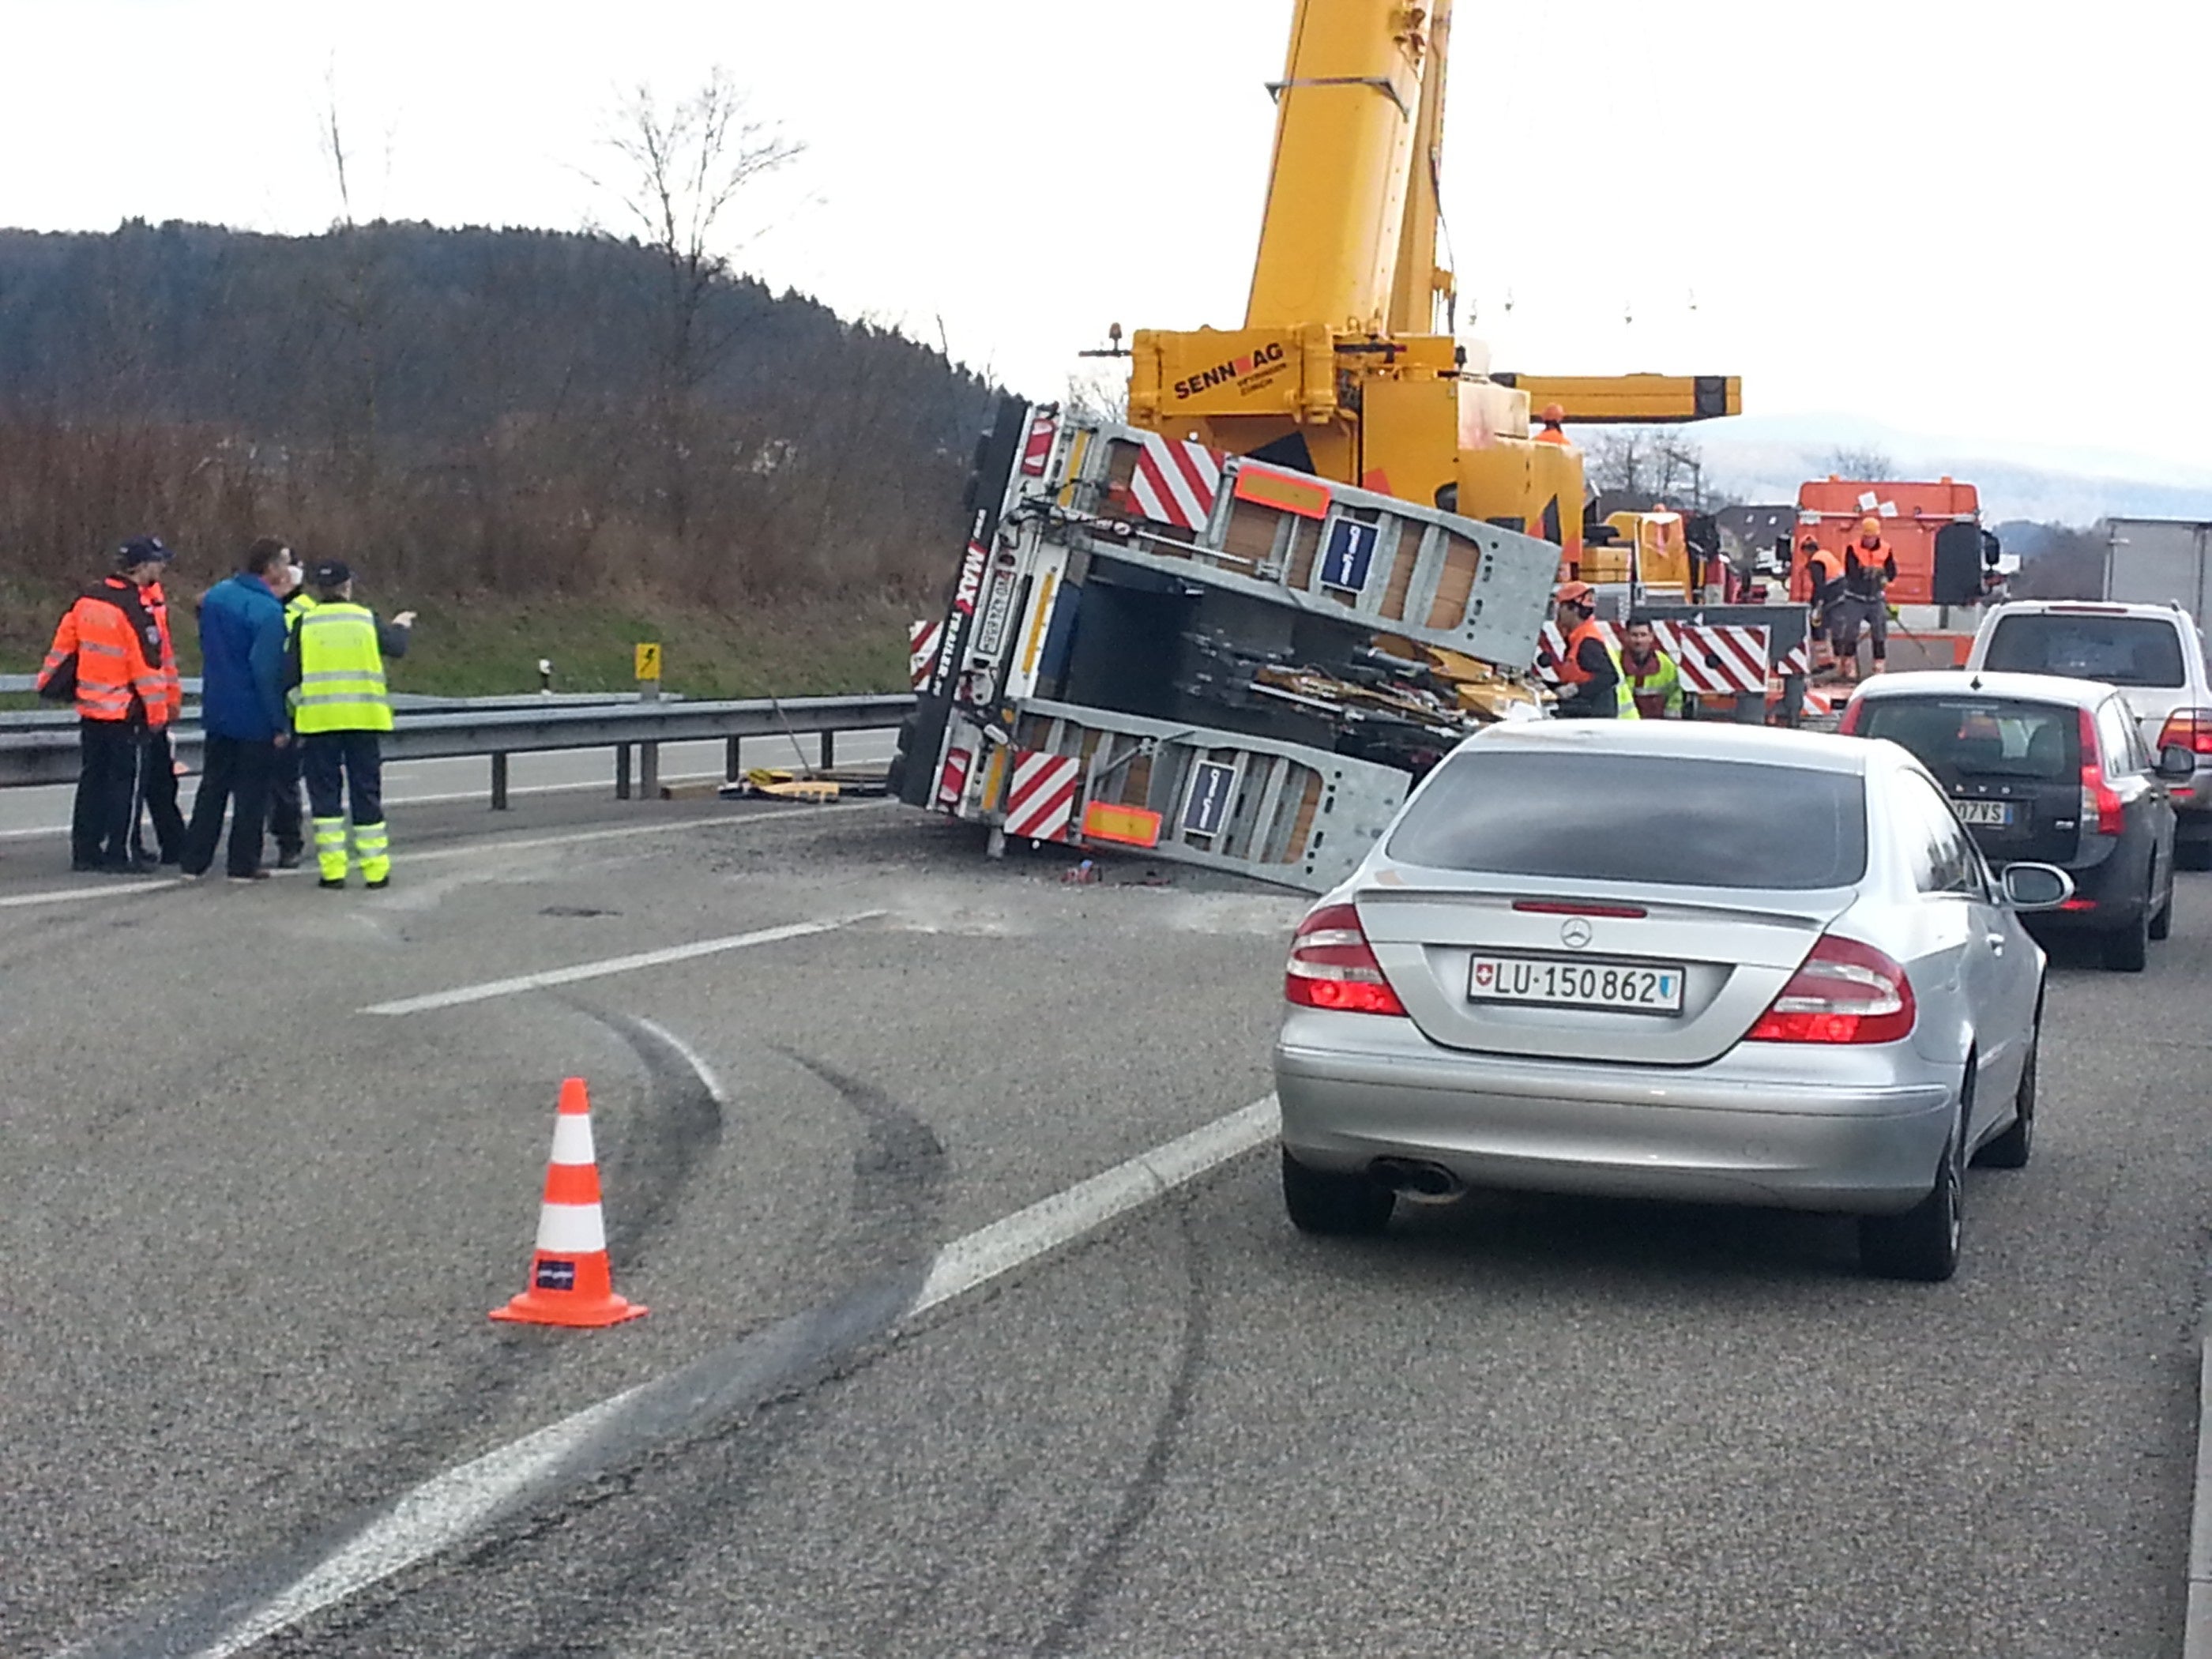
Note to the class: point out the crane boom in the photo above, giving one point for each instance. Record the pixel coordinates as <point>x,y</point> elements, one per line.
<point>1342,368</point>
<point>1344,126</point>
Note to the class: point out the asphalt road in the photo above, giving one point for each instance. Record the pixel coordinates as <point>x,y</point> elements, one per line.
<point>255,1232</point>
<point>44,813</point>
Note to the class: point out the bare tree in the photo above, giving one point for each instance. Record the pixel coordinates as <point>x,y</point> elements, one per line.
<point>1865,465</point>
<point>1098,394</point>
<point>685,166</point>
<point>1651,463</point>
<point>359,301</point>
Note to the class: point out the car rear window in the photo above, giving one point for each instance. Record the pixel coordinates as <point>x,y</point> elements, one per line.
<point>2118,650</point>
<point>1968,738</point>
<point>1516,812</point>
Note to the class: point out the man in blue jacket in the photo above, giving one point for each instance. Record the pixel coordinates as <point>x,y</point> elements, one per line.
<point>242,710</point>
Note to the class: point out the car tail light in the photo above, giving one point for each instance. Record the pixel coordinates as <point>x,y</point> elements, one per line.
<point>2192,728</point>
<point>1844,992</point>
<point>1333,966</point>
<point>1848,726</point>
<point>2100,802</point>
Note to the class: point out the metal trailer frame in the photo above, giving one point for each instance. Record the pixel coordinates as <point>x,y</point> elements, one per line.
<point>1054,504</point>
<point>1289,813</point>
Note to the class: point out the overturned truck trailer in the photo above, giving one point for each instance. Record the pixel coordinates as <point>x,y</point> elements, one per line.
<point>1154,646</point>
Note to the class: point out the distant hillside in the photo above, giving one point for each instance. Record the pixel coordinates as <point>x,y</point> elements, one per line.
<point>1764,459</point>
<point>466,408</point>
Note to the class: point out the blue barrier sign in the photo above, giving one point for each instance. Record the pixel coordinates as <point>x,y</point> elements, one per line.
<point>1351,551</point>
<point>1207,808</point>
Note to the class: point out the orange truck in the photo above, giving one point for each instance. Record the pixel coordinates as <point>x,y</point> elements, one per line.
<point>1934,531</point>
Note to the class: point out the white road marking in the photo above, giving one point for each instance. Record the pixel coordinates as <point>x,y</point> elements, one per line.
<point>438,1512</point>
<point>448,1507</point>
<point>599,969</point>
<point>985,1254</point>
<point>109,890</point>
<point>700,1068</point>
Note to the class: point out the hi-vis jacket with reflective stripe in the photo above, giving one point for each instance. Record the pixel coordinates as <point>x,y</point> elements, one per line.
<point>118,675</point>
<point>339,670</point>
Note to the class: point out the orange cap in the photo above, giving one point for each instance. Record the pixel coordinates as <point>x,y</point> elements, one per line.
<point>1578,593</point>
<point>1870,522</point>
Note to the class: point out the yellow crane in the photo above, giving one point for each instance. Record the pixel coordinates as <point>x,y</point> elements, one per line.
<point>1340,368</point>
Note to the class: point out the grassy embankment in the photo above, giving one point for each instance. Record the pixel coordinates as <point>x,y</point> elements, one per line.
<point>488,647</point>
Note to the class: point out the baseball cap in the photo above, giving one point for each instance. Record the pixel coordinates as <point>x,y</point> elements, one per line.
<point>330,573</point>
<point>142,550</point>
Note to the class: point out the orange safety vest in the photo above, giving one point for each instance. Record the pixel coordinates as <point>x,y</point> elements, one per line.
<point>1570,670</point>
<point>116,678</point>
<point>157,607</point>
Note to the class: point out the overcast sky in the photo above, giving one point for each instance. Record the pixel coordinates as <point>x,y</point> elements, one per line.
<point>1970,218</point>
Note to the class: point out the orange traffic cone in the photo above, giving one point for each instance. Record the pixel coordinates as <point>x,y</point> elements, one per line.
<point>570,1283</point>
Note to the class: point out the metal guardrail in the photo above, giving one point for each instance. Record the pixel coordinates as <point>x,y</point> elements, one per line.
<point>35,750</point>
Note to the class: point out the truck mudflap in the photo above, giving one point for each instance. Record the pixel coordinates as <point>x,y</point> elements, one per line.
<point>1090,778</point>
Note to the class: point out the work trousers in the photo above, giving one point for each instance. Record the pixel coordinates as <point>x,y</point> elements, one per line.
<point>1851,613</point>
<point>157,794</point>
<point>235,776</point>
<point>346,770</point>
<point>285,817</point>
<point>106,794</point>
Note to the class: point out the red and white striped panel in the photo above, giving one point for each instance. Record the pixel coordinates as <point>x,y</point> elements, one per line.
<point>1796,661</point>
<point>953,781</point>
<point>922,639</point>
<point>1037,449</point>
<point>1041,801</point>
<point>1176,483</point>
<point>1721,659</point>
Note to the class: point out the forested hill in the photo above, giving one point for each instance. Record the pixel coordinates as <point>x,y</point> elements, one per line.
<point>468,409</point>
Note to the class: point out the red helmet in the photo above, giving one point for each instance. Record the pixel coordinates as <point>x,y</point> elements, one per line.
<point>1575,592</point>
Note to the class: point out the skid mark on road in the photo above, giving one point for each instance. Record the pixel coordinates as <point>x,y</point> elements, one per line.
<point>1102,1569</point>
<point>705,1397</point>
<point>661,1148</point>
<point>897,1175</point>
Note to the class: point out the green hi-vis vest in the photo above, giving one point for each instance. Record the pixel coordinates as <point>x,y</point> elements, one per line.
<point>341,671</point>
<point>295,608</point>
<point>1623,699</point>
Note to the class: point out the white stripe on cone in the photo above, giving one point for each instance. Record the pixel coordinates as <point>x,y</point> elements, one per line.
<point>572,1139</point>
<point>571,1230</point>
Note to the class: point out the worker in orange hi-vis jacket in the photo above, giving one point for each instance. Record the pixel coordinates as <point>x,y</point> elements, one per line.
<point>1869,566</point>
<point>106,659</point>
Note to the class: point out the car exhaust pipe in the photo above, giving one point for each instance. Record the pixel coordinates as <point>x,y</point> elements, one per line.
<point>1421,1181</point>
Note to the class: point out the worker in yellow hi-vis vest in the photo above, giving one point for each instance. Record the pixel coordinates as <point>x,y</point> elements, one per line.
<point>337,658</point>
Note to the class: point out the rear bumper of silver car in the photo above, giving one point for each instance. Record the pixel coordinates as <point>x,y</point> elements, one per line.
<point>1791,1127</point>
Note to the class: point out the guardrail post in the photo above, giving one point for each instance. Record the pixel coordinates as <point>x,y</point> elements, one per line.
<point>499,783</point>
<point>828,750</point>
<point>622,771</point>
<point>648,771</point>
<point>733,766</point>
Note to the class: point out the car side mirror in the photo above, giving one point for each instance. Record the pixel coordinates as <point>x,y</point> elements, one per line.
<point>2036,886</point>
<point>2176,764</point>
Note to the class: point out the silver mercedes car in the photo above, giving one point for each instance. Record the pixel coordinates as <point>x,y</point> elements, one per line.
<point>1664,960</point>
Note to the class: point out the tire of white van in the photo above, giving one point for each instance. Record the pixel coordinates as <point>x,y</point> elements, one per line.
<point>1923,1244</point>
<point>1336,1206</point>
<point>2127,950</point>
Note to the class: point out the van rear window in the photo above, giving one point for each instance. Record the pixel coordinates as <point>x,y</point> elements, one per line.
<point>1673,822</point>
<point>2118,650</point>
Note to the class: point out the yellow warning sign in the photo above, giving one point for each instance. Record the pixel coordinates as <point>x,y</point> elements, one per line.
<point>648,662</point>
